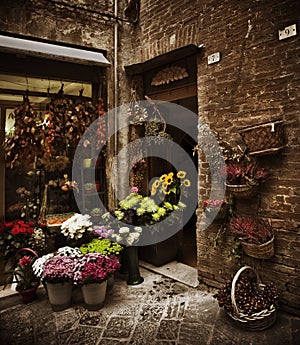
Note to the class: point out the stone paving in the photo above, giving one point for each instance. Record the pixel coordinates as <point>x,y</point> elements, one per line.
<point>160,311</point>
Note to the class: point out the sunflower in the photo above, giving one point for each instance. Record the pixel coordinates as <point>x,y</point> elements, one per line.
<point>163,177</point>
<point>181,174</point>
<point>165,188</point>
<point>153,190</point>
<point>156,183</point>
<point>187,182</point>
<point>169,179</point>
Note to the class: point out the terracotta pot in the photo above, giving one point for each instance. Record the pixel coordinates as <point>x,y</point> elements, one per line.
<point>94,295</point>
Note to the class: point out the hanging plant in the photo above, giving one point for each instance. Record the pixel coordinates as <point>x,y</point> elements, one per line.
<point>23,145</point>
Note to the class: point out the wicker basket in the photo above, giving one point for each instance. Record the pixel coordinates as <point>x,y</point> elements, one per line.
<point>259,251</point>
<point>263,139</point>
<point>242,191</point>
<point>257,321</point>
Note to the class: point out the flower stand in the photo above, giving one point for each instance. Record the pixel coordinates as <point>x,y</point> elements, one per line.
<point>94,295</point>
<point>132,263</point>
<point>60,295</point>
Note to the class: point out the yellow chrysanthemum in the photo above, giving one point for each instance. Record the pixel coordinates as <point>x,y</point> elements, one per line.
<point>186,182</point>
<point>181,174</point>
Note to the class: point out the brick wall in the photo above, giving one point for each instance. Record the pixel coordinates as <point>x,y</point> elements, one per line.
<point>257,80</point>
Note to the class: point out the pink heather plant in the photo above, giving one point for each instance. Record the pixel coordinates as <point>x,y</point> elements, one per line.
<point>59,269</point>
<point>251,229</point>
<point>94,268</point>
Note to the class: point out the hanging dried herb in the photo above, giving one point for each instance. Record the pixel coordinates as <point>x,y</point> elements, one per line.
<point>24,144</point>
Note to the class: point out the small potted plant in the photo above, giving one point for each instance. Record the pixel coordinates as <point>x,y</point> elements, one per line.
<point>23,275</point>
<point>58,273</point>
<point>255,235</point>
<point>91,272</point>
<point>88,187</point>
<point>216,209</point>
<point>244,177</point>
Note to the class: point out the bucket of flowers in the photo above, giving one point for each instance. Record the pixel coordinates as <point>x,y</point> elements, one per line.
<point>244,177</point>
<point>57,275</point>
<point>103,246</point>
<point>255,235</point>
<point>91,271</point>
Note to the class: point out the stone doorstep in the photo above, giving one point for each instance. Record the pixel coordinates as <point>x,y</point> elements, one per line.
<point>176,270</point>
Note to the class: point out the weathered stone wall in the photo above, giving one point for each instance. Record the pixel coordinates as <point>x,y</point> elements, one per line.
<point>257,80</point>
<point>84,23</point>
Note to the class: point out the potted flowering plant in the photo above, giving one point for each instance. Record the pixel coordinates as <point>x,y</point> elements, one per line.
<point>77,229</point>
<point>102,246</point>
<point>58,273</point>
<point>255,235</point>
<point>91,272</point>
<point>244,177</point>
<point>23,275</point>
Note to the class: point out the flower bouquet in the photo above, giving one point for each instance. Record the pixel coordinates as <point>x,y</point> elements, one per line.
<point>255,234</point>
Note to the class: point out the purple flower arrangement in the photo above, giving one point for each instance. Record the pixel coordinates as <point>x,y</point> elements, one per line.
<point>94,268</point>
<point>103,231</point>
<point>59,269</point>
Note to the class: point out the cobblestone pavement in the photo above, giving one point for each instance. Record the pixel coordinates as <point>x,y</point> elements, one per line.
<point>158,312</point>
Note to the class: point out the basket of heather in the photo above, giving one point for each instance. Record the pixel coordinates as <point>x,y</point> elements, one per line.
<point>255,235</point>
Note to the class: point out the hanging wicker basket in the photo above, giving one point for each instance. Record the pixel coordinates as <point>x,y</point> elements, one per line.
<point>259,251</point>
<point>263,139</point>
<point>257,321</point>
<point>243,191</point>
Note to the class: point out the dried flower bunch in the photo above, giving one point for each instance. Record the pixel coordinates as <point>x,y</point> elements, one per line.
<point>251,229</point>
<point>94,268</point>
<point>23,144</point>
